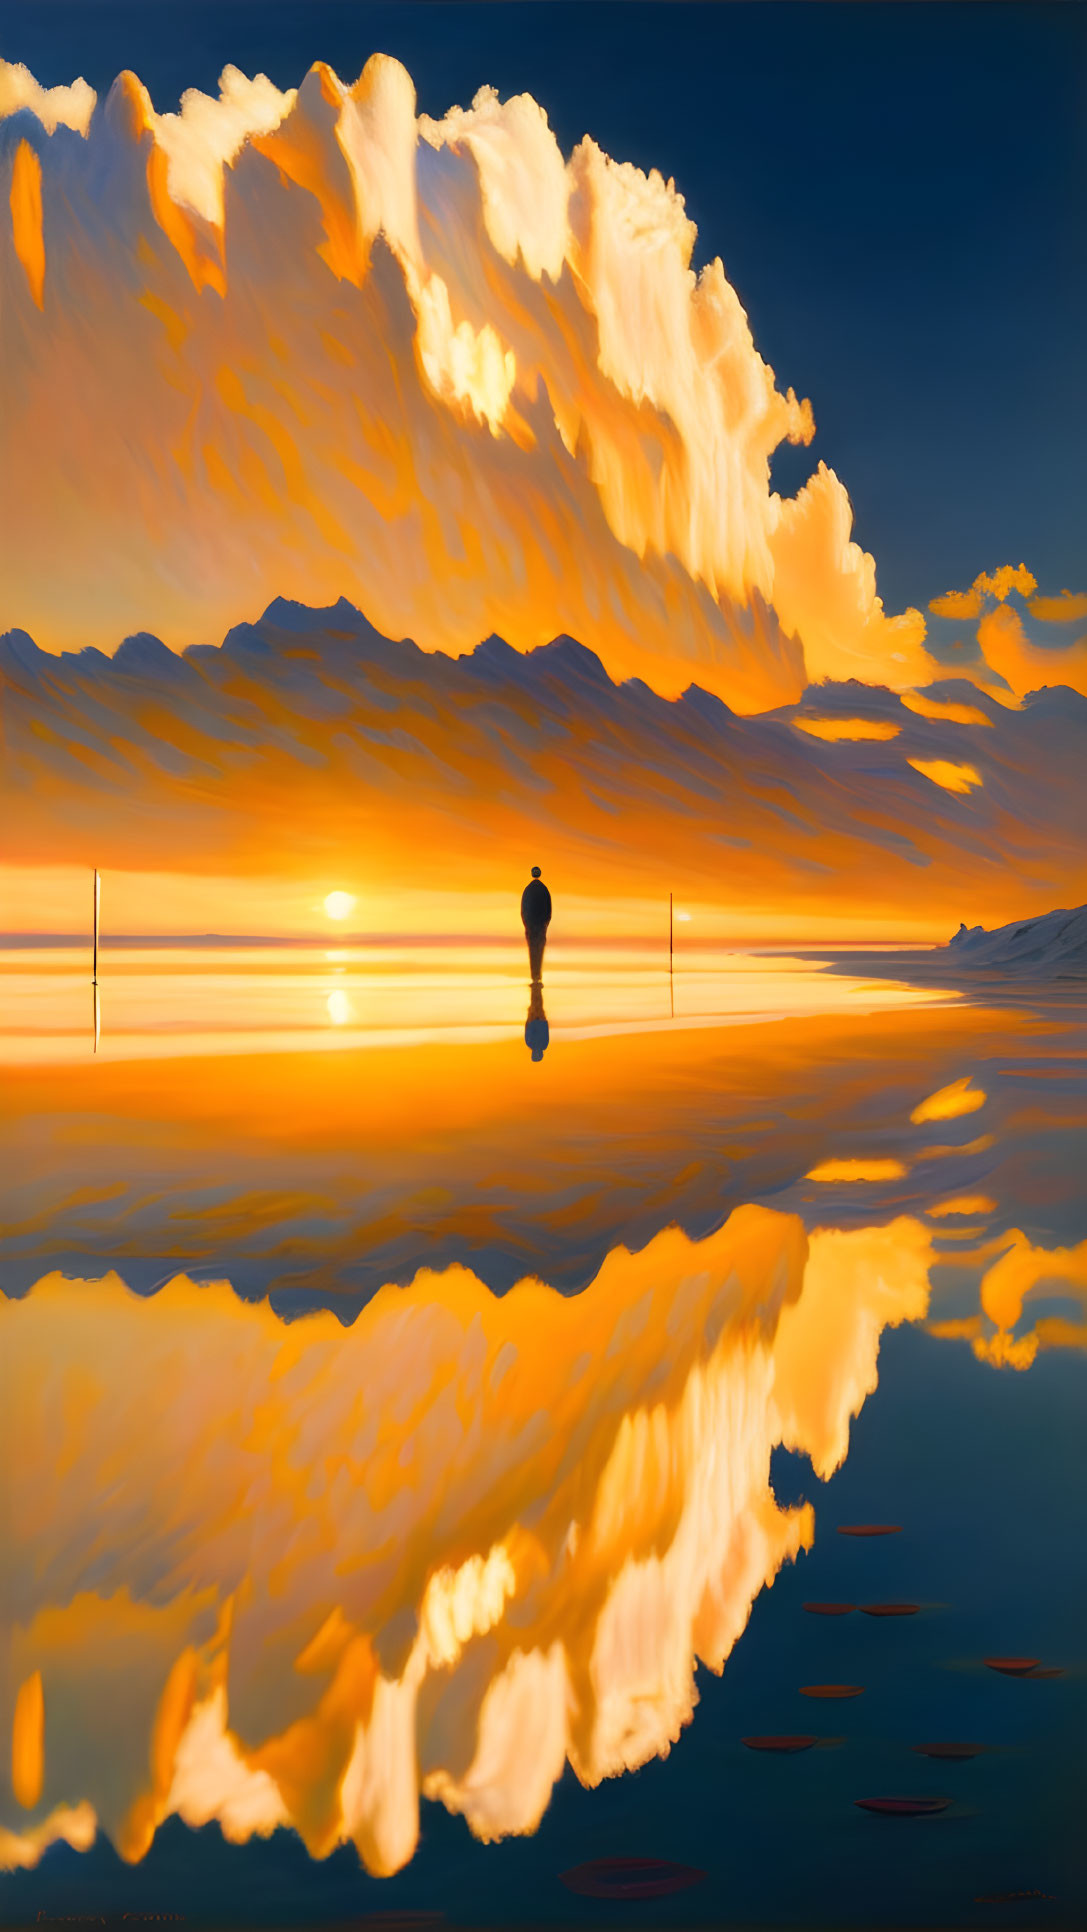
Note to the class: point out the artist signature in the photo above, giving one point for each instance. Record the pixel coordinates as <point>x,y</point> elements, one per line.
<point>99,1918</point>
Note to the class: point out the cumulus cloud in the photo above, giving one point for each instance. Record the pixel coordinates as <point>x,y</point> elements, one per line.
<point>310,343</point>
<point>54,106</point>
<point>970,603</point>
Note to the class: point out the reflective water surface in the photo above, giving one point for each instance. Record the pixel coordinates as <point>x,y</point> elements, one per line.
<point>421,1465</point>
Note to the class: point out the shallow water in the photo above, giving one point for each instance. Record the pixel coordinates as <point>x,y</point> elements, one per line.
<point>417,1460</point>
<point>158,1002</point>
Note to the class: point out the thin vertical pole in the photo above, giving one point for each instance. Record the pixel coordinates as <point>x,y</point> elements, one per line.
<point>97,903</point>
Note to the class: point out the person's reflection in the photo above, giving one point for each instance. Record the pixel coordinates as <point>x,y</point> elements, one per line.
<point>535,917</point>
<point>537,1031</point>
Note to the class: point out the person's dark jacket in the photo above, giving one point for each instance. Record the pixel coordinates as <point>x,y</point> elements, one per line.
<point>535,906</point>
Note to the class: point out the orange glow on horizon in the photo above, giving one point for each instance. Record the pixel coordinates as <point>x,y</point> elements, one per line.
<point>56,899</point>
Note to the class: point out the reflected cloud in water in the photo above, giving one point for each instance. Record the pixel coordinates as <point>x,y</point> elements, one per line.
<point>303,1575</point>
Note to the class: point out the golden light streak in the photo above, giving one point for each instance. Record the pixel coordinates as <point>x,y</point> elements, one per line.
<point>857,1168</point>
<point>950,1103</point>
<point>943,710</point>
<point>26,218</point>
<point>953,778</point>
<point>963,1204</point>
<point>28,1742</point>
<point>847,730</point>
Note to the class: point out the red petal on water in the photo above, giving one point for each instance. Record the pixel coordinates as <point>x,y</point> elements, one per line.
<point>950,1752</point>
<point>890,1609</point>
<point>831,1690</point>
<point>1013,1666</point>
<point>869,1529</point>
<point>630,1878</point>
<point>903,1807</point>
<point>829,1609</point>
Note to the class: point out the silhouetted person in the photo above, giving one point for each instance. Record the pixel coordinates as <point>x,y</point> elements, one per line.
<point>536,917</point>
<point>537,1031</point>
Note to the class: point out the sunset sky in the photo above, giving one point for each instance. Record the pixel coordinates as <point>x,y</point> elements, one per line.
<point>711,361</point>
<point>896,193</point>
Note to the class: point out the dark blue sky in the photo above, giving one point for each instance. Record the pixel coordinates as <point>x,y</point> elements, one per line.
<point>898,192</point>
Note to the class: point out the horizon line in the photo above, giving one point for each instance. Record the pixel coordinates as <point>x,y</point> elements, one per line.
<point>337,942</point>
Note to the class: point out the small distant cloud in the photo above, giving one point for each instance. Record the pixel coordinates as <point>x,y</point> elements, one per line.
<point>54,106</point>
<point>1008,663</point>
<point>953,778</point>
<point>950,1103</point>
<point>859,1169</point>
<point>1068,608</point>
<point>847,729</point>
<point>945,712</point>
<point>964,1204</point>
<point>965,604</point>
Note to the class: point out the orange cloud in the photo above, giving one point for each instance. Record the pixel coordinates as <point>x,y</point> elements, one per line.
<point>1026,666</point>
<point>859,1168</point>
<point>970,603</point>
<point>1019,663</point>
<point>953,778</point>
<point>847,730</point>
<point>471,384</point>
<point>1068,608</point>
<point>943,710</point>
<point>963,1204</point>
<point>950,1103</point>
<point>1004,1289</point>
<point>26,218</point>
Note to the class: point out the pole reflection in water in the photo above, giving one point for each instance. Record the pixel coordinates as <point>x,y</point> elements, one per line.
<point>296,1574</point>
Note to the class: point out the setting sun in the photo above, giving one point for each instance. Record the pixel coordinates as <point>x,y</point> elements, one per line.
<point>339,904</point>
